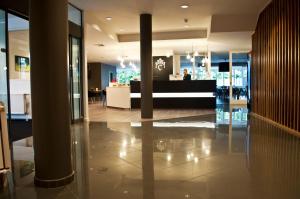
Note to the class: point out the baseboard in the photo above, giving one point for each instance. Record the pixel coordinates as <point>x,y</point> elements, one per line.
<point>287,129</point>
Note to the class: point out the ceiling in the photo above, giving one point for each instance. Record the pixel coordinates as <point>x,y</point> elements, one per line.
<point>229,25</point>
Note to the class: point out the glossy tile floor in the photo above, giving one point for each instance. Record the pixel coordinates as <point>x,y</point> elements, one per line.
<point>100,113</point>
<point>214,156</point>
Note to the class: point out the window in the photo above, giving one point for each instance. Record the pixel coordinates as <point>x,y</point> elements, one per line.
<point>74,15</point>
<point>125,75</point>
<point>200,72</point>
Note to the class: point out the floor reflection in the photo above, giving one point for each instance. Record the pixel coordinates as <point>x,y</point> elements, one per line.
<point>274,161</point>
<point>222,155</point>
<point>147,161</point>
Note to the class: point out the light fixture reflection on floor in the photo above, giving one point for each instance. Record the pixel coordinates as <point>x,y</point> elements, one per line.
<point>206,146</point>
<point>209,125</point>
<point>207,151</point>
<point>124,144</point>
<point>169,157</point>
<point>196,159</point>
<point>132,140</point>
<point>123,154</point>
<point>190,156</point>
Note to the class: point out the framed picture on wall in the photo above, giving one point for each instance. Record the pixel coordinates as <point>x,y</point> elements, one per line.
<point>22,64</point>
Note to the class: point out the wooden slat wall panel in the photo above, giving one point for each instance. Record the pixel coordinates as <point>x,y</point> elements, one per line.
<point>276,64</point>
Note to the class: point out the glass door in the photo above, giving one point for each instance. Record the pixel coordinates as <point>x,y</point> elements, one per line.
<point>221,74</point>
<point>239,62</point>
<point>3,63</point>
<point>75,78</point>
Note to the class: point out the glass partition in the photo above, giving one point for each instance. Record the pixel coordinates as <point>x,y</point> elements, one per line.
<point>19,68</point>
<point>200,71</point>
<point>222,76</point>
<point>3,67</point>
<point>75,64</point>
<point>75,73</point>
<point>239,75</point>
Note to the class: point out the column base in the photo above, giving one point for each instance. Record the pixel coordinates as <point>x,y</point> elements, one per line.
<point>54,183</point>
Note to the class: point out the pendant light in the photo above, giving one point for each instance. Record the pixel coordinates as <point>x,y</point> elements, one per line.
<point>188,56</point>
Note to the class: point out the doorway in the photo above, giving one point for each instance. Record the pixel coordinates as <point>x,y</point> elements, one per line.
<point>239,66</point>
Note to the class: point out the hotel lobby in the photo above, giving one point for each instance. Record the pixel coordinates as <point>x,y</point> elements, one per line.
<point>149,99</point>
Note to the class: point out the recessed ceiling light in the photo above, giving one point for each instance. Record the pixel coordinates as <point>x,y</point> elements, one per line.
<point>96,27</point>
<point>108,18</point>
<point>184,6</point>
<point>186,26</point>
<point>112,37</point>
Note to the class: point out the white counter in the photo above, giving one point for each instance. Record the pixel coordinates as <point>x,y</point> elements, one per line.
<point>118,97</point>
<point>20,97</point>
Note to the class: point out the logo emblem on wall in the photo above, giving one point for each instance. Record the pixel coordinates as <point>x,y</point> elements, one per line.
<point>160,64</point>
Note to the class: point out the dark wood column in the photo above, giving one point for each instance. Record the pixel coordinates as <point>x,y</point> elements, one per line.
<point>146,65</point>
<point>49,87</point>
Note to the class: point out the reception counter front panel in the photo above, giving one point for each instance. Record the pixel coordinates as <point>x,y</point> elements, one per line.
<point>178,94</point>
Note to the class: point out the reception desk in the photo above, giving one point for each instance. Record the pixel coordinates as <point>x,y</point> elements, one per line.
<point>118,97</point>
<point>196,94</point>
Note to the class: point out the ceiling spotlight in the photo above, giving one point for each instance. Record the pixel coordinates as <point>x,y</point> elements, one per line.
<point>96,27</point>
<point>184,6</point>
<point>112,37</point>
<point>108,18</point>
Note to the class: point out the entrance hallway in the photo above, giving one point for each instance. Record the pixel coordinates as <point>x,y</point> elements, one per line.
<point>205,156</point>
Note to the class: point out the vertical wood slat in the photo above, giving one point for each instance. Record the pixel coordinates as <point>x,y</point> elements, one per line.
<point>280,62</point>
<point>298,68</point>
<point>276,64</point>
